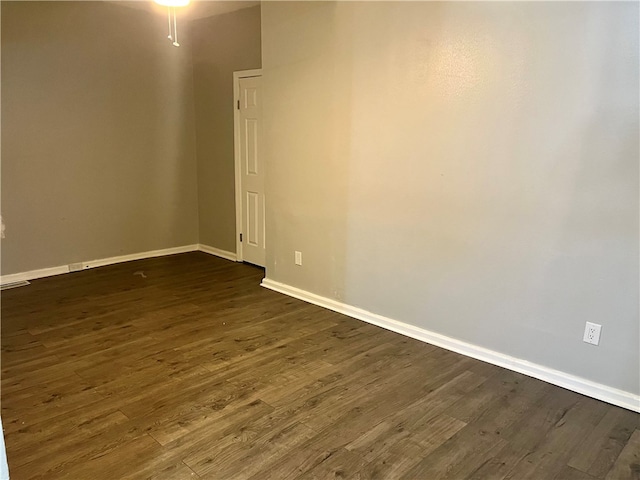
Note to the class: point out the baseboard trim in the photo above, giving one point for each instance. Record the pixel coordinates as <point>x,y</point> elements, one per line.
<point>101,262</point>
<point>48,272</point>
<point>218,252</point>
<point>8,286</point>
<point>33,274</point>
<point>580,385</point>
<point>139,256</point>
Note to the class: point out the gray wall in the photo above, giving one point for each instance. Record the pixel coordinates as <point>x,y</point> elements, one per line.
<point>221,45</point>
<point>98,138</point>
<point>468,168</point>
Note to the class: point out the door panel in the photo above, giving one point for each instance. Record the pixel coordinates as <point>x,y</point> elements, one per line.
<point>251,146</point>
<point>253,226</point>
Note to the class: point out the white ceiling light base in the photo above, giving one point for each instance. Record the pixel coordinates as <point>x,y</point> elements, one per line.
<point>172,3</point>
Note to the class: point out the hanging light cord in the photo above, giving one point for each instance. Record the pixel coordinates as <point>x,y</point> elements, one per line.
<point>173,33</point>
<point>175,29</point>
<point>172,17</point>
<point>170,36</point>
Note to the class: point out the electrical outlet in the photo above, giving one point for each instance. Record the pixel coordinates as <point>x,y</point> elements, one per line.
<point>592,333</point>
<point>75,267</point>
<point>298,258</point>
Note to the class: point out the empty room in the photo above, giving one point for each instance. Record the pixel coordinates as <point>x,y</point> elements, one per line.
<point>320,240</point>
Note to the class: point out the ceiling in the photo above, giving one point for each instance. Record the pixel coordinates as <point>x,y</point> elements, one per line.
<point>196,9</point>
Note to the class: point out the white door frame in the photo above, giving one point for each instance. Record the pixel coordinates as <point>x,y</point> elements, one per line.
<point>236,152</point>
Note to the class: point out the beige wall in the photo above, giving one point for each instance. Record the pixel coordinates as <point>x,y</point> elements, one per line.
<point>221,45</point>
<point>468,168</point>
<point>98,139</point>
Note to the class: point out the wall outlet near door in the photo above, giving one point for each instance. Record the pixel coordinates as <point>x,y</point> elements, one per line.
<point>298,258</point>
<point>592,333</point>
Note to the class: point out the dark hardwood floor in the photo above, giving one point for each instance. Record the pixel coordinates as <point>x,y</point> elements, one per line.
<point>182,367</point>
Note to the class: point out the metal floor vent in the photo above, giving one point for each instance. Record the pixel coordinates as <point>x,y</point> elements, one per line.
<point>7,286</point>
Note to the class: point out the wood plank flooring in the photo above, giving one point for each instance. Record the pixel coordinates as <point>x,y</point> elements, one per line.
<point>194,371</point>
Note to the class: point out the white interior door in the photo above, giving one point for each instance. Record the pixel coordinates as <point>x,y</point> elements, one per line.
<point>251,171</point>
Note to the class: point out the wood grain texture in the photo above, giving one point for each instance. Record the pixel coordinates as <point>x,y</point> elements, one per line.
<point>197,372</point>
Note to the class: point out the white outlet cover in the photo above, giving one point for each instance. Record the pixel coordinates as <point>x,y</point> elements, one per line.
<point>592,333</point>
<point>298,257</point>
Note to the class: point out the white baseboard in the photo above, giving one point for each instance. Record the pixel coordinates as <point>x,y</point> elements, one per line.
<point>139,256</point>
<point>217,252</point>
<point>33,274</point>
<point>48,272</point>
<point>101,262</point>
<point>586,387</point>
